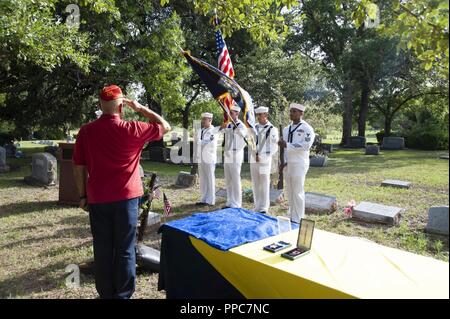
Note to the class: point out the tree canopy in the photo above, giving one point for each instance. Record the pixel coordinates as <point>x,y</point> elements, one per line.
<point>366,61</point>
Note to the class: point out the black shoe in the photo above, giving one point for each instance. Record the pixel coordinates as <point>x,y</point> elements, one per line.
<point>200,204</point>
<point>263,212</point>
<point>225,207</point>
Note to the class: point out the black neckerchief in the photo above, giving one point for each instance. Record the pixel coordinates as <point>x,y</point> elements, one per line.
<point>232,142</point>
<point>291,132</point>
<point>267,135</point>
<point>234,127</point>
<point>203,131</point>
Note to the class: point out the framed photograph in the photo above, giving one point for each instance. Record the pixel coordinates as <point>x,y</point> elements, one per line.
<point>304,240</point>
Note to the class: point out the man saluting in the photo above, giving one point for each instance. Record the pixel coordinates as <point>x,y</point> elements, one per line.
<point>106,170</point>
<point>298,138</point>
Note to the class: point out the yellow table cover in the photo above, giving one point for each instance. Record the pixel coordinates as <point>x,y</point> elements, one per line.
<point>337,267</point>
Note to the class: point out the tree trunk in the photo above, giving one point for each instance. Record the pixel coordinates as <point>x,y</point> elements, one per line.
<point>347,99</point>
<point>154,106</point>
<point>387,125</point>
<point>186,118</point>
<point>363,108</point>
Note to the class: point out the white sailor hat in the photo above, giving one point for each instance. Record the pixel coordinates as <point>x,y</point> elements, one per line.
<point>262,109</point>
<point>207,115</point>
<point>98,113</point>
<point>236,108</point>
<point>297,106</point>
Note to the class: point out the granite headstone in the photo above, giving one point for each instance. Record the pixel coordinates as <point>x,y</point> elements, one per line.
<point>393,143</point>
<point>438,220</point>
<point>377,213</point>
<point>320,203</point>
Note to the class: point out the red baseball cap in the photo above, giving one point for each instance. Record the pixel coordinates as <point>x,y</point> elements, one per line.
<point>111,92</point>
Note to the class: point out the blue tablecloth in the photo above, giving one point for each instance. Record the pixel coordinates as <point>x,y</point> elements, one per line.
<point>228,228</point>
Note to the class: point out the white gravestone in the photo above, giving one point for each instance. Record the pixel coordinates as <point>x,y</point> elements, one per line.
<point>356,142</point>
<point>319,203</point>
<point>372,150</point>
<point>377,213</point>
<point>43,169</point>
<point>438,220</point>
<point>318,161</point>
<point>186,179</point>
<point>153,218</point>
<point>393,143</point>
<point>396,183</point>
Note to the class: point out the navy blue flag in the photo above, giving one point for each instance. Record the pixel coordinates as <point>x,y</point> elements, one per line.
<point>219,84</point>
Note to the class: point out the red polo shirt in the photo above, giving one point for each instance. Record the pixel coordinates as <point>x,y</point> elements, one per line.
<point>110,148</point>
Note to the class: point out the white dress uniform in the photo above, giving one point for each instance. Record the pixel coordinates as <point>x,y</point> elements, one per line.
<point>266,147</point>
<point>207,158</point>
<point>233,158</point>
<point>299,139</point>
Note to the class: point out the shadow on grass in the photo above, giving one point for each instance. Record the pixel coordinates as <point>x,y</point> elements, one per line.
<point>44,279</point>
<point>17,180</point>
<point>35,280</point>
<point>20,208</point>
<point>74,232</point>
<point>12,183</point>
<point>81,219</point>
<point>62,249</point>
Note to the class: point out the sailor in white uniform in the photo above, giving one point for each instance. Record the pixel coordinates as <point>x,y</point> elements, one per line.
<point>233,157</point>
<point>261,159</point>
<point>298,138</point>
<point>206,143</point>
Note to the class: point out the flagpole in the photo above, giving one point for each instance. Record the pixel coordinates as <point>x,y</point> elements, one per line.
<point>231,119</point>
<point>280,184</point>
<point>216,19</point>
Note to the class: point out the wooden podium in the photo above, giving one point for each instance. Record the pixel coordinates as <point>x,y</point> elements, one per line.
<point>68,193</point>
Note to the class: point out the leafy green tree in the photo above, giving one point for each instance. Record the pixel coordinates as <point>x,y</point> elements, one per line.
<point>261,18</point>
<point>422,26</point>
<point>325,33</point>
<point>373,58</point>
<point>36,32</point>
<point>274,79</point>
<point>406,87</point>
<point>144,50</point>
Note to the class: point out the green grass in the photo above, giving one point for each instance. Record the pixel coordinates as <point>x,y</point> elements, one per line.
<point>334,137</point>
<point>39,238</point>
<point>352,175</point>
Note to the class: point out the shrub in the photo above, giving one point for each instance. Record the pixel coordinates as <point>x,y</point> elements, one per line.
<point>50,134</point>
<point>427,136</point>
<point>6,138</point>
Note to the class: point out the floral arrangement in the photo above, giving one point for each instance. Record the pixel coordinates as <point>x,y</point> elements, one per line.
<point>348,210</point>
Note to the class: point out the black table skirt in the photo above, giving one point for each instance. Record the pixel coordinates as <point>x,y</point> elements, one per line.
<point>186,274</point>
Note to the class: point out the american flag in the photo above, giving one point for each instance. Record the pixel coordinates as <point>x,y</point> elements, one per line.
<point>156,194</point>
<point>224,63</point>
<point>167,205</point>
<point>223,56</point>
